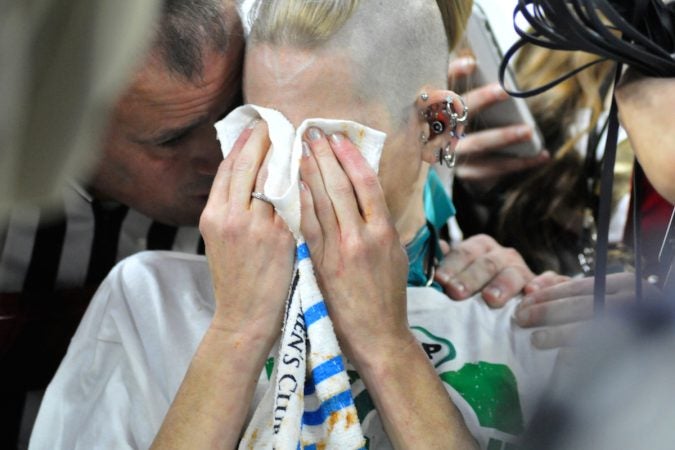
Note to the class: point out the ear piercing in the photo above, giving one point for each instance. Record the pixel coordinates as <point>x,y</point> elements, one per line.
<point>424,96</point>
<point>442,116</point>
<point>447,156</point>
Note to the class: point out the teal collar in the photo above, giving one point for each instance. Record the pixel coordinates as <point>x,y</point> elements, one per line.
<point>424,251</point>
<point>423,255</point>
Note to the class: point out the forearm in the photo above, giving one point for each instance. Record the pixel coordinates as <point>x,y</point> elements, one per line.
<point>214,399</point>
<point>415,408</point>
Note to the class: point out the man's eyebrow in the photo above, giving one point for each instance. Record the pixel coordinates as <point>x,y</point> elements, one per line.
<point>172,133</point>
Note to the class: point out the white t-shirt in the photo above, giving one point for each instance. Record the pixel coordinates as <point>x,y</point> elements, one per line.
<point>134,345</point>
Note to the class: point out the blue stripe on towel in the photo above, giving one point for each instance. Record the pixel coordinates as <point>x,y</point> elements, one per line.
<point>327,369</point>
<point>316,312</point>
<point>302,252</point>
<point>310,388</point>
<point>310,447</point>
<point>333,404</point>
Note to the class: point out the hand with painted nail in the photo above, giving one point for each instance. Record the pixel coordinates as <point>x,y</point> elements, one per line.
<point>360,263</point>
<point>480,161</point>
<point>480,264</point>
<point>563,305</point>
<point>238,227</point>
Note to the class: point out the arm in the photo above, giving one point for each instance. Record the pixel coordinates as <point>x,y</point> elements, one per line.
<point>361,267</point>
<point>213,401</point>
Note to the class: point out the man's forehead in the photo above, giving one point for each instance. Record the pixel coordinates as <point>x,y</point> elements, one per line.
<point>159,98</point>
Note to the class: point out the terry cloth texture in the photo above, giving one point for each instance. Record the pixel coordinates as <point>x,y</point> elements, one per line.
<point>299,411</point>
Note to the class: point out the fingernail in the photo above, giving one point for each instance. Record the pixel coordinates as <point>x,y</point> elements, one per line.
<point>314,134</point>
<point>494,292</point>
<point>458,287</point>
<point>467,62</point>
<point>305,150</point>
<point>442,277</point>
<point>523,131</point>
<point>337,138</point>
<point>539,338</point>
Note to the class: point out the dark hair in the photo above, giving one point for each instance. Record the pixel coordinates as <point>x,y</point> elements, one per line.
<point>186,28</point>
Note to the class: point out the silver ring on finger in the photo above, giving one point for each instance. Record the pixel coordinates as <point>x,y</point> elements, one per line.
<point>261,196</point>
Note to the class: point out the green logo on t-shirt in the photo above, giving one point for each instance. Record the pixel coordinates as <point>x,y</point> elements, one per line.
<point>492,392</point>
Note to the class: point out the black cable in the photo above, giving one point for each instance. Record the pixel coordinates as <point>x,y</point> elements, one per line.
<point>637,33</point>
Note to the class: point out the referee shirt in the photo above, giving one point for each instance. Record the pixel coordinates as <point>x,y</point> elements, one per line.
<point>78,244</point>
<point>50,266</point>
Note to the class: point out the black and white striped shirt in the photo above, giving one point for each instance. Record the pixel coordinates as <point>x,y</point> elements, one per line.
<point>78,244</point>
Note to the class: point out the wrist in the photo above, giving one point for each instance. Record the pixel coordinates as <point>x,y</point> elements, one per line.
<point>386,355</point>
<point>247,346</point>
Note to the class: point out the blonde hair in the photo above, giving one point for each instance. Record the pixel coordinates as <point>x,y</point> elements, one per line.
<point>455,14</point>
<point>394,50</point>
<point>304,23</point>
<point>543,212</point>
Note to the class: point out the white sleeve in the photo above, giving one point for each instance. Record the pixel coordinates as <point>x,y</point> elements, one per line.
<point>98,397</point>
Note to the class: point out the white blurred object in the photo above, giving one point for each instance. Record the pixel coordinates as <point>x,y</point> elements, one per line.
<point>500,15</point>
<point>62,65</point>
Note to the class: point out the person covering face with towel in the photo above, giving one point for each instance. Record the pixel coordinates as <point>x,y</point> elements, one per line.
<point>177,351</point>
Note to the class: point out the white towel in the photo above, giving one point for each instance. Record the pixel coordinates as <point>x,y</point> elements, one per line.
<point>295,412</point>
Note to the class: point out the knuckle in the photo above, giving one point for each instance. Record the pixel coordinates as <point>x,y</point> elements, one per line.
<point>354,245</point>
<point>243,164</point>
<point>323,207</point>
<point>484,240</point>
<point>369,179</point>
<point>342,189</point>
<point>490,264</point>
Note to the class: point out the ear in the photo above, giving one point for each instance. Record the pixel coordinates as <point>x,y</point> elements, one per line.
<point>442,117</point>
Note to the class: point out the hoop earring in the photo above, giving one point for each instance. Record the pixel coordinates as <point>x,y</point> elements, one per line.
<point>448,156</point>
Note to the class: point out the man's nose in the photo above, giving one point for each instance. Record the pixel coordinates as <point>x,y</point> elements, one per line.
<point>207,154</point>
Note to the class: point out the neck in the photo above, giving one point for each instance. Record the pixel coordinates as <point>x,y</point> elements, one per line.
<point>410,215</point>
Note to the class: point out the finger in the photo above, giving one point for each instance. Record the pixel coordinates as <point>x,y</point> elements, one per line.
<point>506,285</point>
<point>220,188</point>
<point>460,68</point>
<point>323,207</point>
<point>557,312</point>
<point>484,269</point>
<point>337,185</point>
<point>486,142</point>
<point>559,336</point>
<point>445,247</point>
<point>246,165</point>
<point>258,205</point>
<point>484,169</point>
<point>463,253</point>
<point>309,222</point>
<point>364,180</point>
<point>485,96</point>
<point>546,279</point>
<point>460,256</point>
<point>572,288</point>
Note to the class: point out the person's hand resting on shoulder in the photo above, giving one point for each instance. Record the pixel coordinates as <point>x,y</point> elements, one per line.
<point>563,306</point>
<point>480,264</point>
